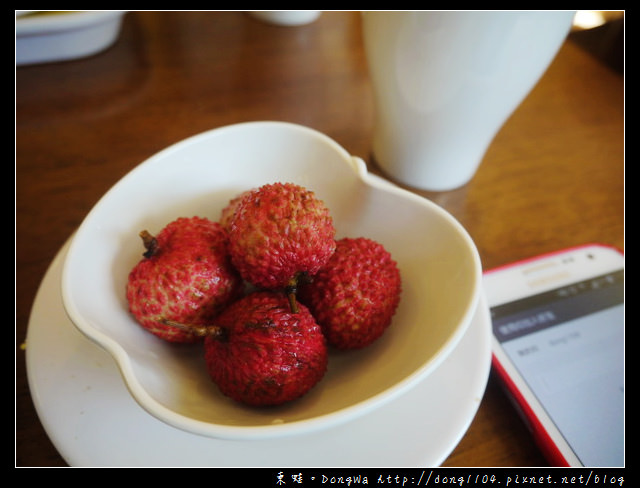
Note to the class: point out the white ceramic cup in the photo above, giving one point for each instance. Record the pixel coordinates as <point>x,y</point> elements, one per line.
<point>445,82</point>
<point>286,17</point>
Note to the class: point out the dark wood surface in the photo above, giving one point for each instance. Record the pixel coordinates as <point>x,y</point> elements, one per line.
<point>553,177</point>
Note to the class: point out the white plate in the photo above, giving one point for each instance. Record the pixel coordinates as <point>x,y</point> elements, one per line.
<point>92,420</point>
<point>60,36</point>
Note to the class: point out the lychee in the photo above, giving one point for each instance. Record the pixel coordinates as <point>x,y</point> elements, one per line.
<point>186,275</point>
<point>356,294</point>
<point>260,353</point>
<point>227,212</point>
<point>279,232</point>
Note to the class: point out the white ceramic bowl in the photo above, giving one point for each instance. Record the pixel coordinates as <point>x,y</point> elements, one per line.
<point>438,261</point>
<point>60,36</point>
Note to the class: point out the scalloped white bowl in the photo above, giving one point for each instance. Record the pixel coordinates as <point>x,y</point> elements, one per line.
<point>439,263</point>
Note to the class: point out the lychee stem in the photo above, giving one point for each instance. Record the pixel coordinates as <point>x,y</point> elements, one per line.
<point>292,289</point>
<point>197,330</point>
<point>150,243</point>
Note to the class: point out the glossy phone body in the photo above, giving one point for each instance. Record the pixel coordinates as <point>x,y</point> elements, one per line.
<point>558,346</point>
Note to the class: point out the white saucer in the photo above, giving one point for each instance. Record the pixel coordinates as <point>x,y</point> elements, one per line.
<point>92,420</point>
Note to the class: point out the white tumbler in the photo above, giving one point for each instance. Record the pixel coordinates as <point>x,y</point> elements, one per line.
<point>444,83</point>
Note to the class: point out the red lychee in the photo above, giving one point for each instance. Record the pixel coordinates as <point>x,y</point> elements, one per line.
<point>354,296</point>
<point>279,232</point>
<point>227,212</point>
<point>260,353</point>
<point>186,276</point>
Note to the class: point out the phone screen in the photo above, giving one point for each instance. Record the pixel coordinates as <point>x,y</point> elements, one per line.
<point>568,345</point>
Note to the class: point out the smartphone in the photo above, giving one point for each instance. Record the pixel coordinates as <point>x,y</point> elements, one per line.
<point>558,347</point>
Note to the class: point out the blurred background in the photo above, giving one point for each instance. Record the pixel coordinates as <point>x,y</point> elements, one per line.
<point>601,32</point>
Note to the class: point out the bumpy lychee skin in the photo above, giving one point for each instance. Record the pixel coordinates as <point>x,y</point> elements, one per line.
<point>279,231</point>
<point>355,296</point>
<point>185,276</point>
<point>227,212</point>
<point>266,355</point>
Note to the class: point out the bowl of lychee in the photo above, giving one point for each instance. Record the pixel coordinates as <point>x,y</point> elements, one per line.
<point>255,281</point>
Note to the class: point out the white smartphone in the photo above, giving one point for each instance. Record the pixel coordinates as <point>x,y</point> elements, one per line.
<point>558,346</point>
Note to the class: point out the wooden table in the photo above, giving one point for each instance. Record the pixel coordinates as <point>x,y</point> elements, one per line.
<point>554,176</point>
